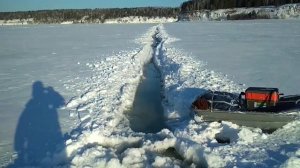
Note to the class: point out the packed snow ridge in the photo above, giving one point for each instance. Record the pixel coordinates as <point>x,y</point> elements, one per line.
<point>104,138</point>
<point>288,11</point>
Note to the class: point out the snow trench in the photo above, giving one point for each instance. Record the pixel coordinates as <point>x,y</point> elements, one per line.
<point>146,114</point>
<point>105,137</point>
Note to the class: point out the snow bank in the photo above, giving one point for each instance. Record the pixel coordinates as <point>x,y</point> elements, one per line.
<point>130,19</point>
<point>288,11</point>
<point>282,12</point>
<point>140,19</point>
<point>67,22</point>
<point>16,22</point>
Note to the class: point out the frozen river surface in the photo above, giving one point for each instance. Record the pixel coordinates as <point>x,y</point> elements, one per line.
<point>55,55</point>
<point>74,84</point>
<point>262,53</point>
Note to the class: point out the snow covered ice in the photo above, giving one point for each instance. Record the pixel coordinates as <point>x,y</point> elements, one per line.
<point>99,79</point>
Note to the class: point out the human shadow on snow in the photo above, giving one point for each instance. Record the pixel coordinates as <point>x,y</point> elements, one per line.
<point>38,134</point>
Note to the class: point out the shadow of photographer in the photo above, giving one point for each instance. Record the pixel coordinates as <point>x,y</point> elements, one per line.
<point>38,134</point>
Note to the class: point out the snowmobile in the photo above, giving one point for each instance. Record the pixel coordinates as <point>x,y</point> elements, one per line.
<point>260,107</point>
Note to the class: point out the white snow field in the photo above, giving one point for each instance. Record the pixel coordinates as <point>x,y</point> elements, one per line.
<point>191,58</point>
<point>57,56</point>
<point>255,53</point>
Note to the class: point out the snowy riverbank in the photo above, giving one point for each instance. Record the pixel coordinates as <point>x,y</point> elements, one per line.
<point>288,11</point>
<point>123,20</point>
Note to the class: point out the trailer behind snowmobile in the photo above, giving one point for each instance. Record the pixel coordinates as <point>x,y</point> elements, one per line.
<point>260,107</point>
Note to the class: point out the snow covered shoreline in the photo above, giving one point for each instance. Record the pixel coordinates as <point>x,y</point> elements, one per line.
<point>124,20</point>
<point>288,11</point>
<point>15,22</point>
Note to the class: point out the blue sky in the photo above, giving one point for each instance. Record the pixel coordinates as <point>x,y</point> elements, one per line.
<point>25,5</point>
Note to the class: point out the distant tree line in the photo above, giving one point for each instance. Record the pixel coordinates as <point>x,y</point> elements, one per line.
<point>192,5</point>
<point>88,15</point>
